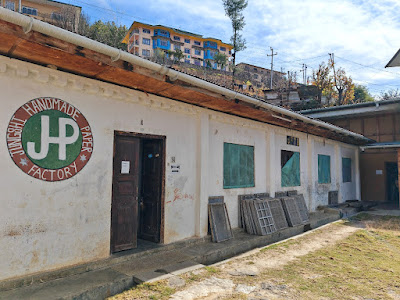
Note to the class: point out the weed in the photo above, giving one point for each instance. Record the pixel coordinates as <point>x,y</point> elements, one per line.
<point>211,269</point>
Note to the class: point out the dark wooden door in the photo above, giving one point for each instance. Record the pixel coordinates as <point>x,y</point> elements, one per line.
<point>392,187</point>
<point>124,207</point>
<point>150,200</point>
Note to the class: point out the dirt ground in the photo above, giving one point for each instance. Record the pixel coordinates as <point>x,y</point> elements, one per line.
<point>359,259</point>
<point>245,268</point>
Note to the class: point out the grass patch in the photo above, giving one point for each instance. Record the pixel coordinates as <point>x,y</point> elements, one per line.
<point>283,245</point>
<point>366,265</point>
<point>211,269</point>
<point>152,291</point>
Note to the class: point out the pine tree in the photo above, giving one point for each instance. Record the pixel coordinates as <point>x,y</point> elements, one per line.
<point>234,10</point>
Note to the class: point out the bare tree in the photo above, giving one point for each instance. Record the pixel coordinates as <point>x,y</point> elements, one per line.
<point>68,18</point>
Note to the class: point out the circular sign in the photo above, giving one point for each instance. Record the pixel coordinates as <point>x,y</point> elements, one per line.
<point>49,139</point>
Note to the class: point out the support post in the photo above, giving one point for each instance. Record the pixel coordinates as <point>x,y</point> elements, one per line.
<point>310,184</point>
<point>398,172</point>
<point>202,173</point>
<point>357,170</point>
<point>273,155</point>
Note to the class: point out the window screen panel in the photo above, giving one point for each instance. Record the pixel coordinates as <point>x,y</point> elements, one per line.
<point>238,166</point>
<point>290,172</point>
<point>324,168</point>
<point>346,169</point>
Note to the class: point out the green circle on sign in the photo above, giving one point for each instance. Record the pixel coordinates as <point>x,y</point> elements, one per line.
<point>32,132</point>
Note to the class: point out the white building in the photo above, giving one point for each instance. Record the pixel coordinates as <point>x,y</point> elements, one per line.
<point>114,148</point>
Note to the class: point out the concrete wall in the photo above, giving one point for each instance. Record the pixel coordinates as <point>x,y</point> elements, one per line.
<point>48,225</point>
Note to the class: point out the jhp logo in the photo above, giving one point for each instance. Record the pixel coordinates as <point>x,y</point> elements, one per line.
<point>55,138</point>
<point>52,139</point>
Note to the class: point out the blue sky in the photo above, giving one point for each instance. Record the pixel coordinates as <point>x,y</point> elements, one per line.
<point>363,34</point>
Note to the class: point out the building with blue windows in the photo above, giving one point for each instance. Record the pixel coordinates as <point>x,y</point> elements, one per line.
<point>144,40</point>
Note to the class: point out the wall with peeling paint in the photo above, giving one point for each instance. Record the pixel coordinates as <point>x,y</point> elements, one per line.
<point>49,225</point>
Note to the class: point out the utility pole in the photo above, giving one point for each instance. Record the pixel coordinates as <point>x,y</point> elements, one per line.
<point>288,88</point>
<point>272,64</point>
<point>304,70</point>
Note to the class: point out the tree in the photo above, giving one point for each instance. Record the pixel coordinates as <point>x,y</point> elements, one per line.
<point>361,94</point>
<point>220,59</point>
<point>108,33</point>
<point>83,25</point>
<point>343,84</point>
<point>321,79</point>
<point>348,92</point>
<point>234,10</point>
<point>178,55</point>
<point>158,56</point>
<point>390,94</point>
<point>68,18</point>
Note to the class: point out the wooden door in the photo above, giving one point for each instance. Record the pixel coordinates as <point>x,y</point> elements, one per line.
<point>124,207</point>
<point>392,186</point>
<point>150,200</point>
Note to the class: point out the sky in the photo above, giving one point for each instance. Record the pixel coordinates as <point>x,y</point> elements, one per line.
<point>361,33</point>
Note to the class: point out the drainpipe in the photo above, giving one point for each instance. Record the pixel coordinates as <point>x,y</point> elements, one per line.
<point>29,23</point>
<point>19,6</point>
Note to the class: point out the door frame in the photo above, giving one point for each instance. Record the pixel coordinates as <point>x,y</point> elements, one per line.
<point>162,138</point>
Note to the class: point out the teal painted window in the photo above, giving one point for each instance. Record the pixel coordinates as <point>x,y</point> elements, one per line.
<point>324,168</point>
<point>238,166</point>
<point>346,169</point>
<point>290,172</point>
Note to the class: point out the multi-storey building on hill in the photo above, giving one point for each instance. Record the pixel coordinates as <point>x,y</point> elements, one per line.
<point>57,13</point>
<point>144,39</point>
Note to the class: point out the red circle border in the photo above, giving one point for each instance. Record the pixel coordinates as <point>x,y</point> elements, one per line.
<point>17,152</point>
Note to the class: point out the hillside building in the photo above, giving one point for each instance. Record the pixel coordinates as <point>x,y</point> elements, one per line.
<point>144,39</point>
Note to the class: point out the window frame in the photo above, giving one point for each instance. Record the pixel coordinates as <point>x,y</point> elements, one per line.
<point>146,39</point>
<point>350,175</point>
<point>187,41</point>
<point>321,159</point>
<point>8,3</point>
<point>242,173</point>
<point>147,52</point>
<point>177,38</point>
<point>283,165</point>
<point>29,8</point>
<point>187,50</point>
<point>146,30</point>
<point>162,43</point>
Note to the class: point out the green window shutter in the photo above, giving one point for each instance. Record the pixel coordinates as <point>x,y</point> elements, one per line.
<point>238,166</point>
<point>324,168</point>
<point>346,169</point>
<point>290,172</point>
